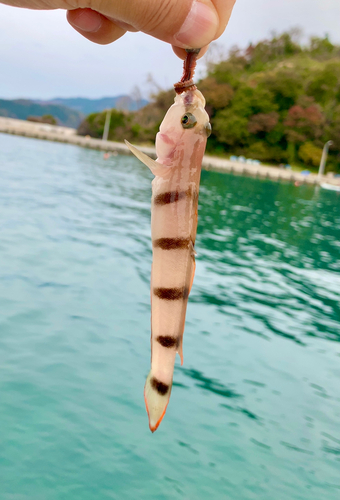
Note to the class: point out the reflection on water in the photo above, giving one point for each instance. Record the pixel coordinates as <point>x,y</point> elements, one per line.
<point>255,408</point>
<point>281,247</point>
<point>210,385</point>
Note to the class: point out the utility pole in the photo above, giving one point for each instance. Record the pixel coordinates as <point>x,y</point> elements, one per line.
<point>324,158</point>
<point>107,125</point>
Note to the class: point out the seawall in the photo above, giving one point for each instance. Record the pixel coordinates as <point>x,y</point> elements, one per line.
<point>69,136</point>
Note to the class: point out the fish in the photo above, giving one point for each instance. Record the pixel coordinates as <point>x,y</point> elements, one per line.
<point>180,146</point>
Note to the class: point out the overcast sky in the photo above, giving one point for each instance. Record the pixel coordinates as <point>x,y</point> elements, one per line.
<point>42,57</point>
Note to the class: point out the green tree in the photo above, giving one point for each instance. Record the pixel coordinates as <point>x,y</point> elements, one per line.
<point>310,154</point>
<point>278,47</point>
<point>286,85</point>
<point>276,101</point>
<point>324,85</point>
<point>217,95</point>
<point>332,130</point>
<point>230,128</point>
<point>49,119</point>
<point>321,46</point>
<point>251,99</point>
<point>93,125</point>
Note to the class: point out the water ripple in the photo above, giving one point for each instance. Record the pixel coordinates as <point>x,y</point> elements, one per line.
<point>255,409</point>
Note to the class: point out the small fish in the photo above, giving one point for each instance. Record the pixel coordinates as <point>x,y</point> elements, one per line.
<point>180,146</point>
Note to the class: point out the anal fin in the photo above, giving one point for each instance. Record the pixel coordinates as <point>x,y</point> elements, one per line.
<point>180,350</point>
<point>193,274</point>
<point>180,346</point>
<point>193,254</point>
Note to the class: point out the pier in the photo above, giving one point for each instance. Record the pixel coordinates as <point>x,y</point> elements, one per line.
<point>69,135</point>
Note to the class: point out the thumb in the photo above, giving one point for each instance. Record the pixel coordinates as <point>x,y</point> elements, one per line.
<point>183,23</point>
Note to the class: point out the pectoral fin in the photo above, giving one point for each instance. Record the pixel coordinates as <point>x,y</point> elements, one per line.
<point>155,167</point>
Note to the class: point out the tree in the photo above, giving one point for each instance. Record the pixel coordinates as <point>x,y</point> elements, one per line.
<point>332,130</point>
<point>93,124</point>
<point>276,101</point>
<point>251,98</point>
<point>325,84</point>
<point>321,46</point>
<point>277,47</point>
<point>303,124</point>
<point>261,123</point>
<point>310,154</point>
<point>230,128</point>
<point>285,84</point>
<point>217,95</point>
<point>49,119</point>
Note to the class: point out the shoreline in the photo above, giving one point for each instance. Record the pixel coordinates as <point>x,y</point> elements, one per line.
<point>69,136</point>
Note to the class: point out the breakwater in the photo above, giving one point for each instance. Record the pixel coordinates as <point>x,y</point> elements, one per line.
<point>69,135</point>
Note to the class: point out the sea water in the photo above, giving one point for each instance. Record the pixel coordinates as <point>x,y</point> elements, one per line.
<point>255,409</point>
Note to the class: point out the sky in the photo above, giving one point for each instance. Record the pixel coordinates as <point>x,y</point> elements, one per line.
<point>42,57</point>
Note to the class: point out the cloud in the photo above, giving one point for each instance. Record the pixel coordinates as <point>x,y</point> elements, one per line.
<point>254,20</point>
<point>41,56</point>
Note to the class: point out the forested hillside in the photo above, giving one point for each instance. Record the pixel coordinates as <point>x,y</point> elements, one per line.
<point>276,101</point>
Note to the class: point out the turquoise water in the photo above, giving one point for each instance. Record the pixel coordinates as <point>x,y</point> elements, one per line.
<point>255,409</point>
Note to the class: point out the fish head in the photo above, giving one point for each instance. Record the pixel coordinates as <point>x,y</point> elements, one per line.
<point>185,124</point>
<point>182,133</point>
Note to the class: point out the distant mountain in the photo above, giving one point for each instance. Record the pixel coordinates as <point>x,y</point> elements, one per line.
<point>87,106</point>
<point>69,111</point>
<point>22,108</point>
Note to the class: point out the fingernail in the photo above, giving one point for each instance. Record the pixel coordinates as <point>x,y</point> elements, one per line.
<point>88,21</point>
<point>199,27</point>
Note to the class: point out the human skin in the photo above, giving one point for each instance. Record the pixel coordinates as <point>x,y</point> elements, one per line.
<point>182,23</point>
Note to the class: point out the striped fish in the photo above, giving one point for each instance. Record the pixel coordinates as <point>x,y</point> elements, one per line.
<point>180,146</point>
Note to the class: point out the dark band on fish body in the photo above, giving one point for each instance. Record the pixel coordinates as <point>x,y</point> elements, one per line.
<point>172,293</point>
<point>174,196</point>
<point>169,197</point>
<point>172,243</point>
<point>158,386</point>
<point>167,341</point>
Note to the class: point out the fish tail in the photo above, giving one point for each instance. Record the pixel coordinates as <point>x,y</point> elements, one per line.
<point>156,396</point>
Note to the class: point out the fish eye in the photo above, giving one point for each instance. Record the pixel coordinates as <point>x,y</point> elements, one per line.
<point>208,129</point>
<point>188,120</point>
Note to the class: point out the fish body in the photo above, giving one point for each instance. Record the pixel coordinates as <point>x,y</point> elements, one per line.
<point>180,146</point>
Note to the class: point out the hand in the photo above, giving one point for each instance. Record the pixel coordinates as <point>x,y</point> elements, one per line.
<point>182,23</point>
